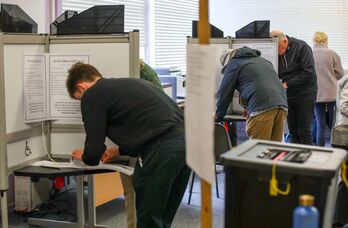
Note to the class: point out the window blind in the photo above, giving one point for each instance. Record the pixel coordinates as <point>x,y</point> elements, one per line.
<point>134,12</point>
<point>172,25</point>
<point>297,18</point>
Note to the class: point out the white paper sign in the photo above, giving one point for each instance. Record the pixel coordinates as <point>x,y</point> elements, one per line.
<point>269,51</point>
<point>61,105</point>
<point>34,87</point>
<point>45,93</point>
<point>199,109</point>
<point>249,45</point>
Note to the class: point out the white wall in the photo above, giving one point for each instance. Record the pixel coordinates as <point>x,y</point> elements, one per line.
<point>38,10</point>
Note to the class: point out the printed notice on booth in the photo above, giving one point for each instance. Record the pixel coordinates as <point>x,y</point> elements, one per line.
<point>199,109</point>
<point>34,88</point>
<point>44,89</point>
<point>62,106</point>
<point>269,51</point>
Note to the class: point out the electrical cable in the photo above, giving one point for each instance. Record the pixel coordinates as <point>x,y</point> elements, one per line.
<point>44,142</point>
<point>54,209</point>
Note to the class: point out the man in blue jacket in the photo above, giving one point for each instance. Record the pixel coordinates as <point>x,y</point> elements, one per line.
<point>258,84</point>
<point>297,72</point>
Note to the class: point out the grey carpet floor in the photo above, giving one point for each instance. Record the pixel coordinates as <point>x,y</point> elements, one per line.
<point>113,213</point>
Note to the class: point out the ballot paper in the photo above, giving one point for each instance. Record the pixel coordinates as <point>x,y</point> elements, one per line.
<point>109,166</point>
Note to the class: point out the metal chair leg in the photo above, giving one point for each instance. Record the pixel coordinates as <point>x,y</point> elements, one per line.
<point>216,184</point>
<point>191,187</point>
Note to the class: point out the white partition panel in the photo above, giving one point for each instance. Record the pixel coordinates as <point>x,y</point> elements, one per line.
<point>13,128</point>
<point>64,143</point>
<point>14,83</point>
<point>25,150</point>
<point>111,59</point>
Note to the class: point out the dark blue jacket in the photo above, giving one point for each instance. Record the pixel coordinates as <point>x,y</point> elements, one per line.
<point>256,80</point>
<point>296,68</point>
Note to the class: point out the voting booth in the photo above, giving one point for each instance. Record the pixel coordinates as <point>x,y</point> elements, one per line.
<point>35,122</point>
<point>298,169</point>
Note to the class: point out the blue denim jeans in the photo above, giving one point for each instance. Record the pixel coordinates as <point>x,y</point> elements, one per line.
<point>320,110</point>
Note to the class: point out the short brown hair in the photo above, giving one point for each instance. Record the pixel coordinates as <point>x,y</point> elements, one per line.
<point>80,72</point>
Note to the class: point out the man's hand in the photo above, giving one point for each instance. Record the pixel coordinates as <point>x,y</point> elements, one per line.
<point>77,154</point>
<point>285,85</point>
<point>110,154</point>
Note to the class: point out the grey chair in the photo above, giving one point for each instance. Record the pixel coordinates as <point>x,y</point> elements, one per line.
<point>222,144</point>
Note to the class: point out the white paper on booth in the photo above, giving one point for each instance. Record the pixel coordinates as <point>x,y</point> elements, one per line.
<point>34,88</point>
<point>268,51</point>
<point>62,106</point>
<point>199,109</point>
<point>236,46</point>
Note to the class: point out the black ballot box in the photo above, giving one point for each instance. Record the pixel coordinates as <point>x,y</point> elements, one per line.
<point>298,169</point>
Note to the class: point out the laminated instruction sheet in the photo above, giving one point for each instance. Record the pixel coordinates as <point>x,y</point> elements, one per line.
<point>44,90</point>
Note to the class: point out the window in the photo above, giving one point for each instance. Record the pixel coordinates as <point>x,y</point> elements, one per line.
<point>296,18</point>
<point>134,12</point>
<point>173,22</point>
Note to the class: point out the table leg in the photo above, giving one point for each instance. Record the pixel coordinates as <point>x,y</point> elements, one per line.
<point>4,212</point>
<point>80,213</point>
<point>91,205</point>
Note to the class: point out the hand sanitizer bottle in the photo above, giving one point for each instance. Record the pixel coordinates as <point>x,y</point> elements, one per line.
<point>306,215</point>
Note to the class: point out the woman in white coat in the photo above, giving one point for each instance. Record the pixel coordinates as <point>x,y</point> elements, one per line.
<point>340,139</point>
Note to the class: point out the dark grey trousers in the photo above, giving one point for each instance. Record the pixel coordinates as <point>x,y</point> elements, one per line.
<point>300,117</point>
<point>160,183</point>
